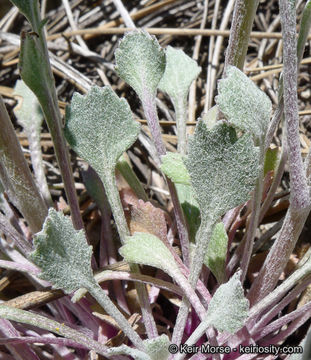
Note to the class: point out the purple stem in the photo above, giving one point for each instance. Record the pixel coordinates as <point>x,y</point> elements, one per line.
<point>41,339</point>
<point>19,240</point>
<point>300,199</point>
<point>149,105</point>
<point>28,268</point>
<point>19,351</point>
<point>251,230</point>
<point>279,323</point>
<point>283,335</point>
<point>281,305</point>
<point>123,275</point>
<point>201,288</point>
<point>107,255</point>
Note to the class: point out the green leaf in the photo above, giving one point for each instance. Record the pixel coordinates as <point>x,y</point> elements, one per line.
<point>215,258</point>
<point>228,308</point>
<point>100,127</point>
<point>30,10</point>
<point>222,167</point>
<point>271,160</point>
<point>157,348</point>
<point>28,110</point>
<point>131,178</point>
<point>210,118</point>
<point>190,208</point>
<point>34,68</point>
<point>173,167</point>
<point>140,62</point>
<point>147,249</point>
<point>63,254</point>
<point>243,103</point>
<point>180,71</point>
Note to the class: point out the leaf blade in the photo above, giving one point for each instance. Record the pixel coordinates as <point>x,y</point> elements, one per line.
<point>100,127</point>
<point>228,308</point>
<point>180,71</point>
<point>140,62</point>
<point>62,253</point>
<point>243,103</point>
<point>215,258</point>
<point>148,249</point>
<point>223,168</point>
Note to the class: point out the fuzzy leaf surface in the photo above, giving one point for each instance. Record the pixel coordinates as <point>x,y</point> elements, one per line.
<point>223,168</point>
<point>215,258</point>
<point>243,103</point>
<point>180,72</point>
<point>174,167</point>
<point>62,253</point>
<point>28,110</point>
<point>100,127</point>
<point>147,249</point>
<point>228,308</point>
<point>140,62</point>
<point>157,348</point>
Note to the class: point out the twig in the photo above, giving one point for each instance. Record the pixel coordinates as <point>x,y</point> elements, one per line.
<point>73,24</point>
<point>167,31</point>
<point>124,13</point>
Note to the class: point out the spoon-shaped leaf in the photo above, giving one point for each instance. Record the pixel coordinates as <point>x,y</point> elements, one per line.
<point>179,73</point>
<point>30,9</point>
<point>62,253</point>
<point>222,167</point>
<point>243,103</point>
<point>100,127</point>
<point>174,168</point>
<point>215,258</point>
<point>140,62</point>
<point>157,348</point>
<point>147,249</point>
<point>228,308</point>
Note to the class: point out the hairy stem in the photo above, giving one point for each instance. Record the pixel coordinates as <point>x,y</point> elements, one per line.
<point>242,22</point>
<point>36,160</point>
<point>180,107</point>
<point>55,327</point>
<point>150,110</point>
<point>98,293</point>
<point>110,185</point>
<point>300,198</point>
<point>254,220</point>
<point>202,239</point>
